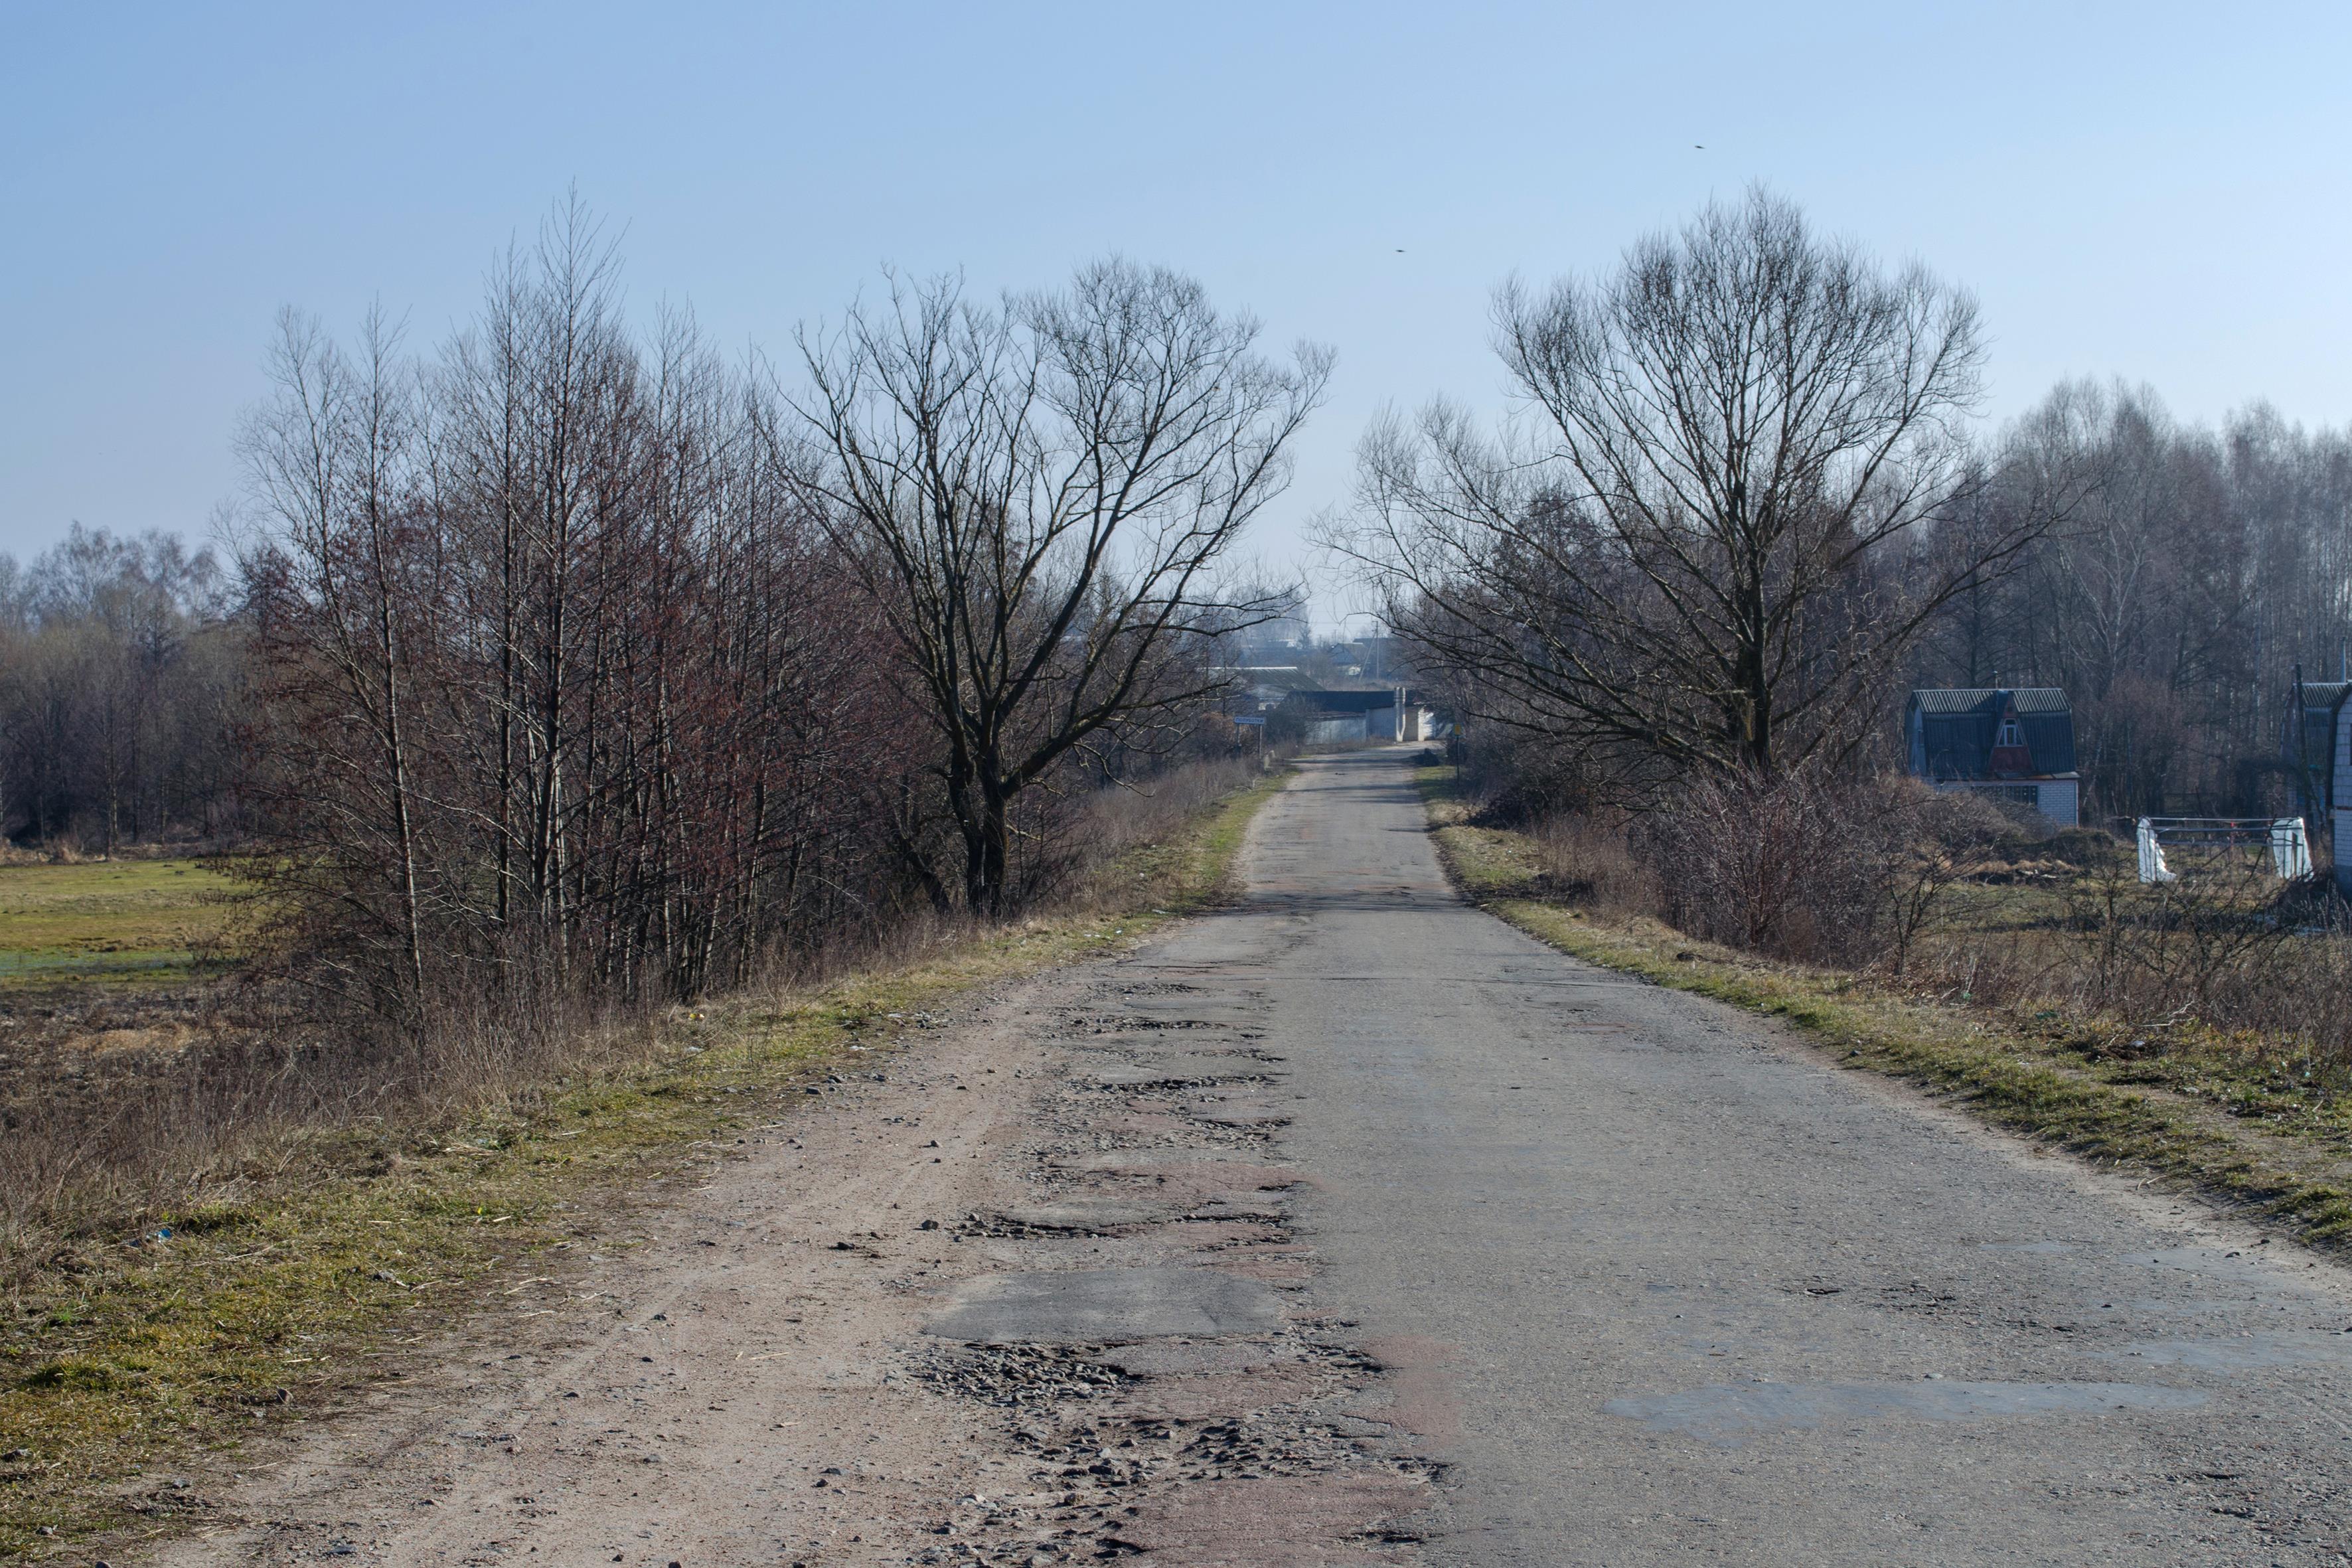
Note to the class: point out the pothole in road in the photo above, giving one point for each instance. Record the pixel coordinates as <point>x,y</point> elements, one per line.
<point>1215,1450</point>
<point>1180,1408</point>
<point>1129,1023</point>
<point>1074,1218</point>
<point>1018,1374</point>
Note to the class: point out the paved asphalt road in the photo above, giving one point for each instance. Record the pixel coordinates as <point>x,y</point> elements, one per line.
<point>1661,1285</point>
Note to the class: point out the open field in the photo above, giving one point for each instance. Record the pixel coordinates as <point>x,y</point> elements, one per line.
<point>2226,1112</point>
<point>111,923</point>
<point>312,1264</point>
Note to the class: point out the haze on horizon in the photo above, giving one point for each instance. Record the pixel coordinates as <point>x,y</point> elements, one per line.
<point>2150,192</point>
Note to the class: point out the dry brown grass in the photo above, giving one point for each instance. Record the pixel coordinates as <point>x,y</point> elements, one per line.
<point>2226,988</point>
<point>1941,898</point>
<point>1115,824</point>
<point>1586,859</point>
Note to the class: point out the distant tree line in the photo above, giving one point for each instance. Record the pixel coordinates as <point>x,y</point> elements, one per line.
<point>123,675</point>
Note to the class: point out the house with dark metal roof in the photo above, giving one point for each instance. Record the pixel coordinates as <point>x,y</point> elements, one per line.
<point>2014,744</point>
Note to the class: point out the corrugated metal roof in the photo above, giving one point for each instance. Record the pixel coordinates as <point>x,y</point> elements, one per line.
<point>2326,693</point>
<point>1969,699</point>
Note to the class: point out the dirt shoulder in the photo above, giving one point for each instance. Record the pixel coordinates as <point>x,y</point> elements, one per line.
<point>140,1375</point>
<point>730,1380</point>
<point>2222,1136</point>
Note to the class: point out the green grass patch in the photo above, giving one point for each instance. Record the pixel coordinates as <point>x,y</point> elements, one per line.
<point>111,921</point>
<point>2211,1116</point>
<point>136,1351</point>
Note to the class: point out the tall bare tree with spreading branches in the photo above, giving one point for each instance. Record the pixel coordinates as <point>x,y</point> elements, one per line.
<point>1042,496</point>
<point>1701,544</point>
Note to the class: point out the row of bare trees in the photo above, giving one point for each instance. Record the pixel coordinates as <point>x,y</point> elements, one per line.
<point>557,681</point>
<point>121,672</point>
<point>589,660</point>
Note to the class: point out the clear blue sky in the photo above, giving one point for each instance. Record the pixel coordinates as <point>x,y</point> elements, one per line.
<point>2162,192</point>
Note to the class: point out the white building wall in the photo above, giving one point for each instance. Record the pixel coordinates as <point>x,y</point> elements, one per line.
<point>1335,731</point>
<point>2060,800</point>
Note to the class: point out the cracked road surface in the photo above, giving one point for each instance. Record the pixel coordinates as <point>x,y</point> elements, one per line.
<point>1351,1226</point>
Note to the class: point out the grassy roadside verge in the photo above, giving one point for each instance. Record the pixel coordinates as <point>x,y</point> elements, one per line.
<point>168,1347</point>
<point>2227,1128</point>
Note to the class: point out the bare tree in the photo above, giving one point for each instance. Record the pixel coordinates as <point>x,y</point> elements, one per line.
<point>332,462</point>
<point>1039,496</point>
<point>1699,547</point>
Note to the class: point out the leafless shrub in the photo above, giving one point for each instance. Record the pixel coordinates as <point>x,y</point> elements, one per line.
<point>2223,945</point>
<point>1932,842</point>
<point>1807,866</point>
<point>1757,863</point>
